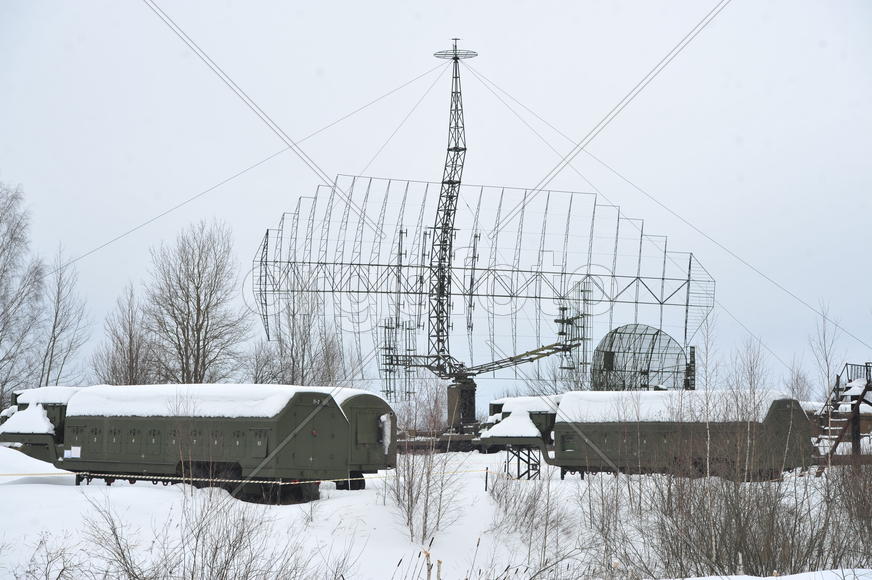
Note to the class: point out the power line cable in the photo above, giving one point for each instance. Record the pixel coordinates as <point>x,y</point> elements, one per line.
<point>615,111</point>
<point>487,84</point>
<point>481,78</point>
<point>406,118</point>
<point>255,108</point>
<point>733,254</point>
<point>239,173</point>
<point>752,335</point>
<point>372,102</point>
<point>674,213</point>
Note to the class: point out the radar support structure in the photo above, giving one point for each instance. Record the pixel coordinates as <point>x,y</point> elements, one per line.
<point>461,393</point>
<point>439,360</point>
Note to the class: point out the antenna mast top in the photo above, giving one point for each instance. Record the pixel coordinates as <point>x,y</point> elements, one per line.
<point>454,54</point>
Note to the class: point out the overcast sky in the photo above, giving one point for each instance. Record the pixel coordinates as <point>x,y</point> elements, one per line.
<point>759,133</point>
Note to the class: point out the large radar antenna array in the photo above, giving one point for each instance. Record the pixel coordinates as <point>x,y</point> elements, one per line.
<point>542,277</point>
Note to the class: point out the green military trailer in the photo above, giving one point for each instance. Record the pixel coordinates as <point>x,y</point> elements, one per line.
<point>736,435</point>
<point>260,441</point>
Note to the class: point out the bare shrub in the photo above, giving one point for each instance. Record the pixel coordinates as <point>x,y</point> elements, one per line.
<point>853,490</point>
<point>722,527</point>
<point>424,489</point>
<point>338,561</point>
<point>213,539</point>
<point>538,514</point>
<point>710,526</point>
<point>557,571</point>
<point>189,313</point>
<point>607,507</point>
<point>53,560</point>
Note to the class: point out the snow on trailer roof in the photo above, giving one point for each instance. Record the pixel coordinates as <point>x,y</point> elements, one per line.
<point>518,424</point>
<point>652,406</point>
<point>220,400</point>
<point>31,420</point>
<point>531,404</point>
<point>47,395</point>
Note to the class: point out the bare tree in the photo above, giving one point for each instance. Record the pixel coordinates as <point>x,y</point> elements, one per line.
<point>824,348</point>
<point>797,382</point>
<point>189,311</point>
<point>708,377</point>
<point>305,351</point>
<point>747,381</point>
<point>64,325</point>
<point>749,370</point>
<point>126,356</point>
<point>425,411</point>
<point>558,380</point>
<point>707,355</point>
<point>260,364</point>
<point>20,295</point>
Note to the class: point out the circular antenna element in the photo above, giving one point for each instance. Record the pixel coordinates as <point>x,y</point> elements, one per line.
<point>454,53</point>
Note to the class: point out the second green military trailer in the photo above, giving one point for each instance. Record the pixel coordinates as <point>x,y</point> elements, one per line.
<point>739,435</point>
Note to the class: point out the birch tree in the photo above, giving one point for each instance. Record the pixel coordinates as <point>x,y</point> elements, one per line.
<point>824,348</point>
<point>20,295</point>
<point>190,314</point>
<point>64,325</point>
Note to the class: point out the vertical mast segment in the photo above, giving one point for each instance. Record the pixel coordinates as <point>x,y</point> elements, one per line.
<point>441,249</point>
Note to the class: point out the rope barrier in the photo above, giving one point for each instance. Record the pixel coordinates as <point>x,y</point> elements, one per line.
<point>182,478</point>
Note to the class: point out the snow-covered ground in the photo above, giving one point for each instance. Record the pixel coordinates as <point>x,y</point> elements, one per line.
<point>364,524</point>
<point>363,521</point>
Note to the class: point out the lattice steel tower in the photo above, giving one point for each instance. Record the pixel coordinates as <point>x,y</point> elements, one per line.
<point>441,250</point>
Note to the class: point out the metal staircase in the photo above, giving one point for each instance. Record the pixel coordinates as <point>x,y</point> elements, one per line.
<point>853,389</point>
